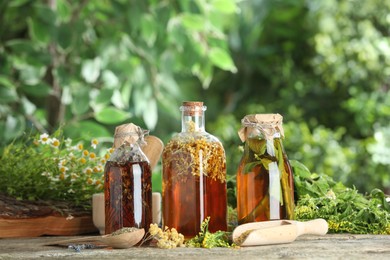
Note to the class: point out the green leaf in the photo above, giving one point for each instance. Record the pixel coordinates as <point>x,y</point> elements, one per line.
<point>31,75</point>
<point>28,107</point>
<point>300,169</point>
<point>148,29</point>
<point>64,10</point>
<point>225,6</point>
<point>90,70</point>
<point>6,82</point>
<point>80,104</point>
<point>17,3</point>
<point>111,115</point>
<point>40,90</point>
<point>193,22</point>
<point>85,130</point>
<point>249,166</point>
<point>14,127</point>
<point>110,79</point>
<point>222,59</point>
<point>8,95</point>
<point>64,36</point>
<point>150,114</point>
<point>38,31</point>
<point>104,96</point>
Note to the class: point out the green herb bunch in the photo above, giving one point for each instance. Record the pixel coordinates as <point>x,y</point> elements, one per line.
<point>345,209</point>
<point>52,168</point>
<point>206,239</point>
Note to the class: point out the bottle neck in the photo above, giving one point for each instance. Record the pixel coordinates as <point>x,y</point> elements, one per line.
<point>192,123</point>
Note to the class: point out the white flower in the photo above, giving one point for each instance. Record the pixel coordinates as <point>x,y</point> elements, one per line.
<point>62,163</point>
<point>68,142</point>
<point>44,139</point>
<point>94,143</point>
<point>55,143</point>
<point>46,174</point>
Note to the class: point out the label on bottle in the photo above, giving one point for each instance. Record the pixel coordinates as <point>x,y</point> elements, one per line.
<point>274,183</point>
<point>137,172</point>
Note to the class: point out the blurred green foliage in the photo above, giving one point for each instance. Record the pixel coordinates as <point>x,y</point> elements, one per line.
<point>90,65</point>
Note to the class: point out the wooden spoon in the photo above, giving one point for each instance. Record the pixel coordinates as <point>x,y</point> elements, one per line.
<point>276,231</point>
<point>122,241</point>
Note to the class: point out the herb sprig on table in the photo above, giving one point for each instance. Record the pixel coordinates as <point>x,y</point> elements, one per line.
<point>345,209</point>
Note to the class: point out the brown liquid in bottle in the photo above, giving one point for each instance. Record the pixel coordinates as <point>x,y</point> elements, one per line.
<point>189,198</point>
<point>128,195</point>
<point>253,190</point>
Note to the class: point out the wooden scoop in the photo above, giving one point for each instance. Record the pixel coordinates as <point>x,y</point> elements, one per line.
<point>122,241</point>
<point>276,232</point>
<point>153,149</point>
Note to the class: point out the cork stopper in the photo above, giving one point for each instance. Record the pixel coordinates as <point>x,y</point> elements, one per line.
<point>268,124</point>
<point>130,133</point>
<point>192,108</point>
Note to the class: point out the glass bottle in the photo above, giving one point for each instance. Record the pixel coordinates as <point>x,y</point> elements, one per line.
<point>128,182</point>
<point>265,188</point>
<point>194,176</point>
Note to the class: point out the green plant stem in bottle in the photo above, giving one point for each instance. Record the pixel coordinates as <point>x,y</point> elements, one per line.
<point>264,177</point>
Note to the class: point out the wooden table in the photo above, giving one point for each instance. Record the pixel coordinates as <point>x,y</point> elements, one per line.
<point>330,246</point>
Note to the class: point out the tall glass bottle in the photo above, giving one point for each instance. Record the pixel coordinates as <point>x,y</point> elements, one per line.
<point>194,176</point>
<point>265,188</point>
<point>128,182</point>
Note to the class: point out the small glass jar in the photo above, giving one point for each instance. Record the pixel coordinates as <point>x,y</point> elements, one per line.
<point>265,188</point>
<point>128,182</point>
<point>194,176</point>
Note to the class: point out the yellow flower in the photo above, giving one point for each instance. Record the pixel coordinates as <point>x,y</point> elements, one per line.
<point>92,155</point>
<point>88,170</point>
<point>97,169</point>
<point>44,138</point>
<point>80,147</point>
<point>85,153</point>
<point>62,163</point>
<point>62,168</point>
<point>94,142</point>
<point>82,160</point>
<point>89,181</point>
<point>107,156</point>
<point>62,176</point>
<point>55,143</point>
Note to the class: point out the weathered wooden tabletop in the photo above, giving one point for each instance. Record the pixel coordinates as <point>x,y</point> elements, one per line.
<point>330,246</point>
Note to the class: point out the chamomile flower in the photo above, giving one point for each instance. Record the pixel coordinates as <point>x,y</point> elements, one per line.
<point>55,142</point>
<point>88,170</point>
<point>46,174</point>
<point>62,163</point>
<point>94,143</point>
<point>92,155</point>
<point>82,160</point>
<point>79,147</point>
<point>44,138</point>
<point>97,169</point>
<point>68,142</point>
<point>63,168</point>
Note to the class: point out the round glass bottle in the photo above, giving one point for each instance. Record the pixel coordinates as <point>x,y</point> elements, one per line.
<point>128,182</point>
<point>265,188</point>
<point>194,176</point>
